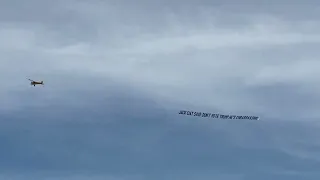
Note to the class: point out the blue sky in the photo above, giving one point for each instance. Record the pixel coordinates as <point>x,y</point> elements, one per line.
<point>117,73</point>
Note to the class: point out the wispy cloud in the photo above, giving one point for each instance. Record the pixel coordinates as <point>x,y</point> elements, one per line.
<point>116,73</point>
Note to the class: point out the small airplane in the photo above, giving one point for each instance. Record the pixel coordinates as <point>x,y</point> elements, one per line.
<point>34,83</point>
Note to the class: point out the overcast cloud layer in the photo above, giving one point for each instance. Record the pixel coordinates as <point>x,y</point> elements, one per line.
<point>117,72</point>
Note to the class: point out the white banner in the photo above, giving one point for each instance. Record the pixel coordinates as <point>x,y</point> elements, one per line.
<point>217,116</point>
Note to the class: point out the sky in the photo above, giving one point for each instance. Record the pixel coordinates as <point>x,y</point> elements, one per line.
<point>117,72</point>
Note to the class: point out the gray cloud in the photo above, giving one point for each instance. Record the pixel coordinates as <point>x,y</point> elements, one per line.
<point>105,64</point>
<point>129,136</point>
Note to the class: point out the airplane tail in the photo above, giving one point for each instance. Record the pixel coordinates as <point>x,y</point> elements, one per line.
<point>41,82</point>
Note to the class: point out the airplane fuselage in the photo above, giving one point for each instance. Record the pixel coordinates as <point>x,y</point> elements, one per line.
<point>34,83</point>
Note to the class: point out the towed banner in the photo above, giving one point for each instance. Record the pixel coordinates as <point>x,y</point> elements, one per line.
<point>221,116</point>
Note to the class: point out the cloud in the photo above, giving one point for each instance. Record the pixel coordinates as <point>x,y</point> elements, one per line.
<point>117,72</point>
<point>129,136</point>
<point>178,60</point>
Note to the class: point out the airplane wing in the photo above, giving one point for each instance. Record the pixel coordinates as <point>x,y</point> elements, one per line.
<point>30,80</point>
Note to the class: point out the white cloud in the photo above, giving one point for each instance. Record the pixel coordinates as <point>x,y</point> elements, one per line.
<point>204,65</point>
<point>299,71</point>
<point>226,59</point>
